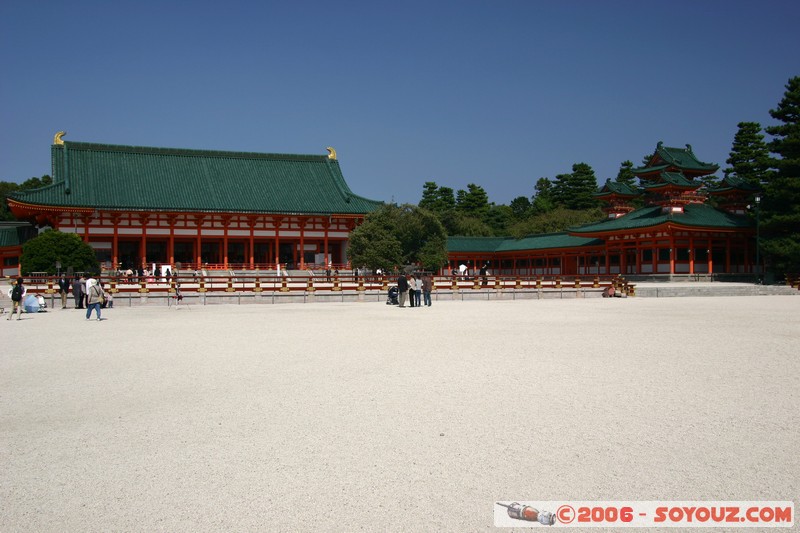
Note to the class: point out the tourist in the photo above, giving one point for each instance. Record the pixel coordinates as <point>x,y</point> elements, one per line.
<point>412,290</point>
<point>418,292</point>
<point>17,297</point>
<point>402,286</point>
<point>109,299</point>
<point>63,289</point>
<point>77,292</point>
<point>427,285</point>
<point>94,297</point>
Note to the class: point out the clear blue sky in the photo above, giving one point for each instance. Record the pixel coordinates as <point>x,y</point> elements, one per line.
<point>497,93</point>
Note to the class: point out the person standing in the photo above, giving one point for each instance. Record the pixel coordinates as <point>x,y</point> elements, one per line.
<point>63,288</point>
<point>77,292</point>
<point>17,297</point>
<point>427,285</point>
<point>412,290</point>
<point>94,297</point>
<point>418,292</point>
<point>402,286</point>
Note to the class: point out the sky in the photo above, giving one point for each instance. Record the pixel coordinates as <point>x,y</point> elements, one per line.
<point>495,93</point>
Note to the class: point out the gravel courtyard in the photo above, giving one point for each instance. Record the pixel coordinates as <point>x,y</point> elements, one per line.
<point>366,417</point>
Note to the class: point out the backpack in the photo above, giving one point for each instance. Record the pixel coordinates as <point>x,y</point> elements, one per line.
<point>16,293</point>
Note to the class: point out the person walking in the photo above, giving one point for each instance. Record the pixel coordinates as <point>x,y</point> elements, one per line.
<point>63,288</point>
<point>94,297</point>
<point>402,286</point>
<point>427,285</point>
<point>17,297</point>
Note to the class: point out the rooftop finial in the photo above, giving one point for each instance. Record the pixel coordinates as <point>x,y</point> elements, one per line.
<point>331,153</point>
<point>57,139</point>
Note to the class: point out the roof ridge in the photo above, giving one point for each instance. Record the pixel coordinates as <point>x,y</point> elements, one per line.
<point>196,152</point>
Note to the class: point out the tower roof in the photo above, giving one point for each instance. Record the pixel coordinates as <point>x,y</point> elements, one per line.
<point>678,159</point>
<point>693,216</point>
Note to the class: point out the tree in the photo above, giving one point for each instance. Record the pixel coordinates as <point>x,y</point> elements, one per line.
<point>6,188</point>
<point>626,175</point>
<point>559,219</point>
<point>474,201</point>
<point>520,207</point>
<point>437,199</point>
<point>429,192</point>
<point>576,190</point>
<point>543,199</point>
<point>780,209</point>
<point>399,235</point>
<point>749,156</point>
<point>41,253</point>
<point>498,217</point>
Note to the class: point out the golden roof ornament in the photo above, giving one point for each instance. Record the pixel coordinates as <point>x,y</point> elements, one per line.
<point>57,139</point>
<point>331,153</point>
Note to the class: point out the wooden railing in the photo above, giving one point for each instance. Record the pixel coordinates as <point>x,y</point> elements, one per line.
<point>258,283</point>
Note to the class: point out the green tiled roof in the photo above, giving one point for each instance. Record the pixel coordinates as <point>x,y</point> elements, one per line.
<point>509,244</point>
<point>15,233</point>
<point>613,187</point>
<point>734,183</point>
<point>682,158</point>
<point>671,178</point>
<point>694,215</point>
<point>166,179</point>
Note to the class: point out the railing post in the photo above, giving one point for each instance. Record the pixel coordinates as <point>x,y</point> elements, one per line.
<point>538,282</point>
<point>558,282</point>
<point>577,283</point>
<point>310,285</point>
<point>596,283</point>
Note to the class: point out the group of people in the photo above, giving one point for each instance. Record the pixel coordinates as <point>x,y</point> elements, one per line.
<point>417,289</point>
<point>87,292</point>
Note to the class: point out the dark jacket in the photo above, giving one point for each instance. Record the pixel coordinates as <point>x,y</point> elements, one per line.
<point>64,285</point>
<point>402,284</point>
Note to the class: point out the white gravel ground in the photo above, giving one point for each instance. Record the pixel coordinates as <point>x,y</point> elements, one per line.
<point>366,417</point>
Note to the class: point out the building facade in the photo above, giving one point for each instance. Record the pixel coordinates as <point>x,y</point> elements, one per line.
<point>197,208</point>
<point>675,232</point>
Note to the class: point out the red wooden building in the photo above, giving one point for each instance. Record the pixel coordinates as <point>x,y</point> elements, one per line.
<point>676,232</point>
<point>203,209</point>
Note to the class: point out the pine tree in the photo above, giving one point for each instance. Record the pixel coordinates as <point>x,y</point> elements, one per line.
<point>749,156</point>
<point>780,209</point>
<point>429,192</point>
<point>576,190</point>
<point>474,201</point>
<point>543,200</point>
<point>626,175</point>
